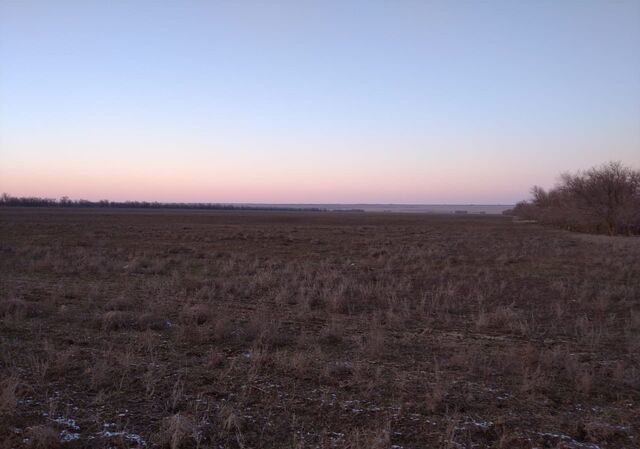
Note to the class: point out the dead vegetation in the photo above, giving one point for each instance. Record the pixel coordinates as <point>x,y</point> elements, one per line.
<point>604,199</point>
<point>271,329</point>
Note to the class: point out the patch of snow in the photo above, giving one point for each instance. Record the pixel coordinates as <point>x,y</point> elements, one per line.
<point>127,436</point>
<point>481,424</point>
<point>65,436</point>
<point>567,439</point>
<point>68,422</point>
<point>336,438</point>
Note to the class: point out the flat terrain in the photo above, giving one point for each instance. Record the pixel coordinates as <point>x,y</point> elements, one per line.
<point>304,330</point>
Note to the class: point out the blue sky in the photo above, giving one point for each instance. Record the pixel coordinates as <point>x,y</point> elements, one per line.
<point>409,102</point>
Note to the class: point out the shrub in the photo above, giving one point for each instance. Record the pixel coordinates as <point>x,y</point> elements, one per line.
<point>604,199</point>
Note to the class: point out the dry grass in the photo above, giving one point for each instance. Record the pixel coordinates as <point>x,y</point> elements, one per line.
<point>269,330</point>
<point>8,398</point>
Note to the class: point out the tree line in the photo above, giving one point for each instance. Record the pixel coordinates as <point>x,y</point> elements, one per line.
<point>7,200</point>
<point>603,200</point>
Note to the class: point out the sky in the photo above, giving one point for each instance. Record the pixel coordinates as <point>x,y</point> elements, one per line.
<point>414,102</point>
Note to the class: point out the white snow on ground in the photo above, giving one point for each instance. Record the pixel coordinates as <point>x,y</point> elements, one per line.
<point>128,436</point>
<point>567,439</point>
<point>68,422</point>
<point>65,436</point>
<point>475,423</point>
<point>69,435</point>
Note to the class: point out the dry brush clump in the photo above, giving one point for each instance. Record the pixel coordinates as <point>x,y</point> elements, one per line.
<point>8,395</point>
<point>603,199</point>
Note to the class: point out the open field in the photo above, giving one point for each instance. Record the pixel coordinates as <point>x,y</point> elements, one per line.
<point>408,208</point>
<point>303,330</point>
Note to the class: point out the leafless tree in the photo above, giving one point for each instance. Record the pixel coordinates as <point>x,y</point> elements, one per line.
<point>601,199</point>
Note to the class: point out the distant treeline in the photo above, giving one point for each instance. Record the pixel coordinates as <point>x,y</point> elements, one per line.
<point>604,200</point>
<point>7,200</point>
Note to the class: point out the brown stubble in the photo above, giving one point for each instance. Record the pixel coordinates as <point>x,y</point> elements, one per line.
<point>255,329</point>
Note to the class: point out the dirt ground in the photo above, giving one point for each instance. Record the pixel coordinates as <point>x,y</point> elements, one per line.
<point>182,329</point>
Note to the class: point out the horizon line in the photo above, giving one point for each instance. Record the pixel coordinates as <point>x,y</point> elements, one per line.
<point>222,203</point>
